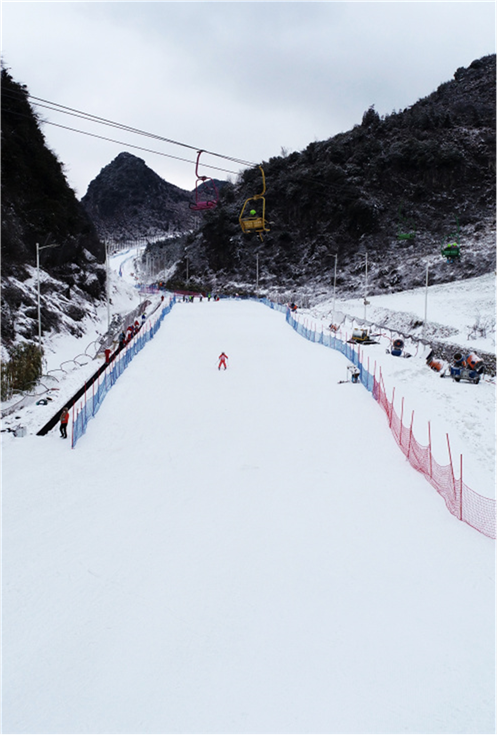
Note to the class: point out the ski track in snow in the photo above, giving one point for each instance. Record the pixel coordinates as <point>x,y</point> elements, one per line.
<point>243,551</point>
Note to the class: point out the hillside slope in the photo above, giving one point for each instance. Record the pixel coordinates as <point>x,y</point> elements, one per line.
<point>38,206</point>
<point>395,187</point>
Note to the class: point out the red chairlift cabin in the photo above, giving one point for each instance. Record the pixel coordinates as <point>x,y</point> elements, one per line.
<point>206,195</point>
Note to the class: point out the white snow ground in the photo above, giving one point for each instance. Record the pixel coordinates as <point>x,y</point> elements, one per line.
<point>245,552</point>
<point>456,307</point>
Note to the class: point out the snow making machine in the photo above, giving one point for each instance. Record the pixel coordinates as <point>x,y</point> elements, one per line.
<point>397,349</point>
<point>466,367</point>
<point>353,375</point>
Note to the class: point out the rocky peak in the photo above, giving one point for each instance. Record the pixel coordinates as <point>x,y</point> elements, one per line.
<point>128,200</point>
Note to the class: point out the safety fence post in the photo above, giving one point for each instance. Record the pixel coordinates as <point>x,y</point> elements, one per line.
<point>391,410</point>
<point>72,428</point>
<point>401,420</point>
<point>410,435</point>
<point>451,467</point>
<point>429,450</point>
<point>460,490</point>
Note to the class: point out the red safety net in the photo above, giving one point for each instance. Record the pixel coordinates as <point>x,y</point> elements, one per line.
<point>463,502</point>
<point>475,510</point>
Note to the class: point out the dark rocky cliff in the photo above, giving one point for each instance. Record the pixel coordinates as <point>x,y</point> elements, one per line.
<point>127,200</point>
<point>38,206</point>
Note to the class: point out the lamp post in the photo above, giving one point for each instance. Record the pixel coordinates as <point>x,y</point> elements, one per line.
<point>257,275</point>
<point>335,255</point>
<point>38,248</point>
<point>107,282</point>
<point>366,288</point>
<point>426,301</point>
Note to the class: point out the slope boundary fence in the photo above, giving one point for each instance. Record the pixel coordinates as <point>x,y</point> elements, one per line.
<point>464,503</point>
<point>93,398</point>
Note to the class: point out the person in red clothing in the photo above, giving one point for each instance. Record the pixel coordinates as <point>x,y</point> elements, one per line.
<point>64,420</point>
<point>222,361</point>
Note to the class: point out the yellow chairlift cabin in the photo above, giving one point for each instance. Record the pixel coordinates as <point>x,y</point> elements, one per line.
<point>254,220</point>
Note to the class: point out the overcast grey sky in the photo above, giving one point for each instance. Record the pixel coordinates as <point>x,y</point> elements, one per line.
<point>238,78</point>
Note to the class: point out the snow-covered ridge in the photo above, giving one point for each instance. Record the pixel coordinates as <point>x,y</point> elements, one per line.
<point>461,313</point>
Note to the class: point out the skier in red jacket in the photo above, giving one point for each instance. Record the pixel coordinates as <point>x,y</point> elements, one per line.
<point>222,361</point>
<point>64,420</point>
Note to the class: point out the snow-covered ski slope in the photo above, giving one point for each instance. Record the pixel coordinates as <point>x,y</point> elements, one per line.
<point>238,552</point>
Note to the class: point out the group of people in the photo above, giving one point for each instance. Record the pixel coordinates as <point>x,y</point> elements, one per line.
<point>190,298</point>
<point>133,329</point>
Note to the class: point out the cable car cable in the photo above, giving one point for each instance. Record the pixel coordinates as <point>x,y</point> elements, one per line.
<point>120,142</point>
<point>63,109</point>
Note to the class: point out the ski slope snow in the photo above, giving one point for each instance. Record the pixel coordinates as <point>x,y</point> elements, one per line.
<point>463,411</point>
<point>238,552</point>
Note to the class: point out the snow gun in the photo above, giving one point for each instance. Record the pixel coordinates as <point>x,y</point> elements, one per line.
<point>466,367</point>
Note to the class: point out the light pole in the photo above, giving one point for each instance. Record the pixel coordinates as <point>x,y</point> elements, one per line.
<point>426,301</point>
<point>107,282</point>
<point>38,248</point>
<point>257,275</point>
<point>366,288</point>
<point>335,255</point>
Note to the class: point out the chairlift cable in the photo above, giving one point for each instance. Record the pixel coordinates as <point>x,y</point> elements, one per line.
<point>123,143</point>
<point>141,148</point>
<point>56,107</point>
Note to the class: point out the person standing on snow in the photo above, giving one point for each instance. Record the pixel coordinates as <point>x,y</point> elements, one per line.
<point>64,420</point>
<point>222,361</point>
